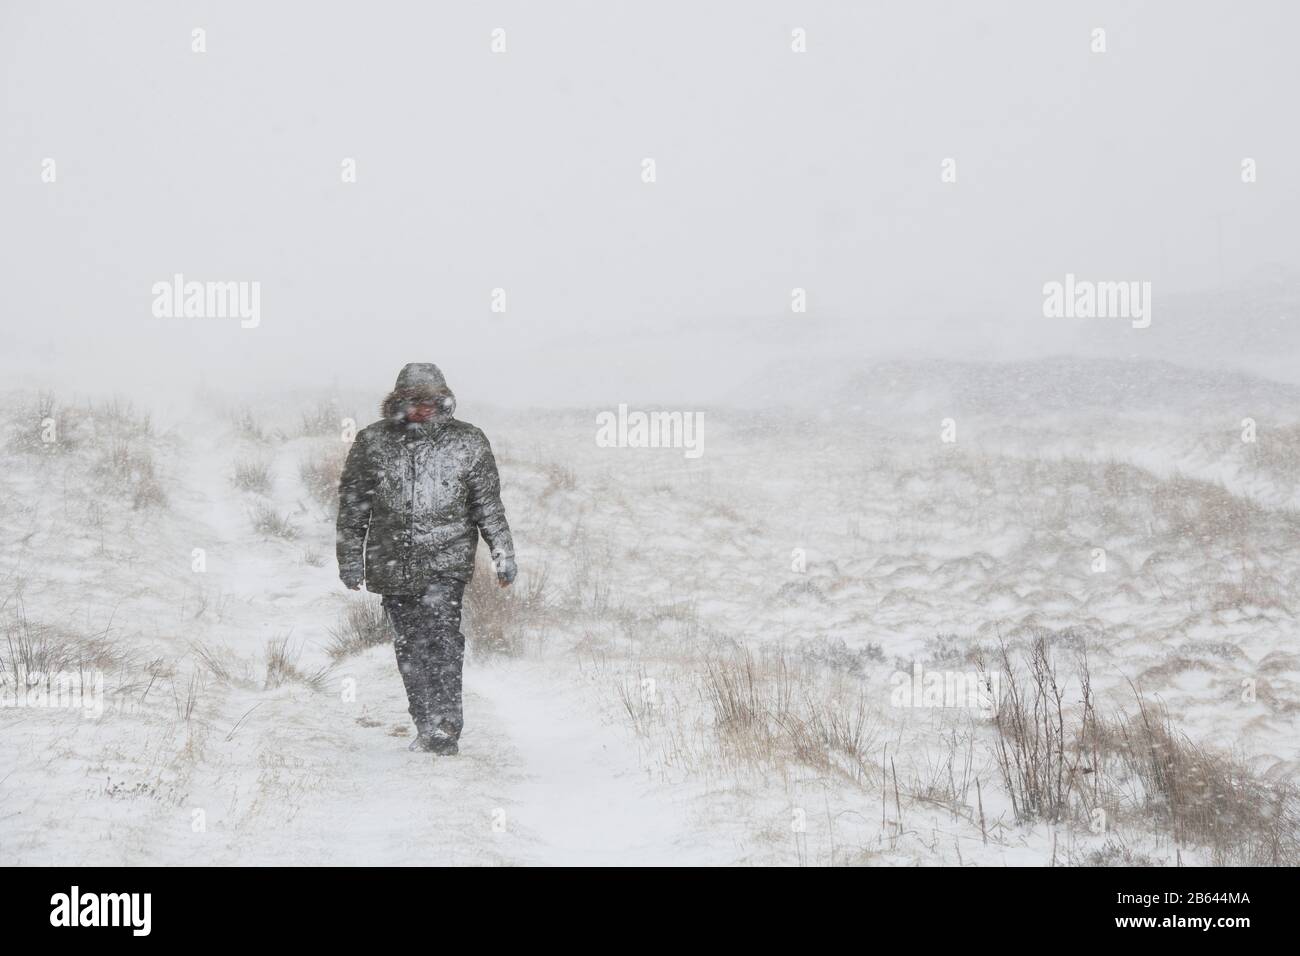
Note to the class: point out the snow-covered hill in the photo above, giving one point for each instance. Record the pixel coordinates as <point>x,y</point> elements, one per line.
<point>1020,390</point>
<point>702,658</point>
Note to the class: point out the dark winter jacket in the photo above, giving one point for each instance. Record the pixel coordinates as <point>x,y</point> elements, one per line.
<point>414,498</point>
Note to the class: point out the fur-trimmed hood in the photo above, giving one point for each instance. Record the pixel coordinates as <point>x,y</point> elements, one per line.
<point>419,382</point>
<point>414,498</point>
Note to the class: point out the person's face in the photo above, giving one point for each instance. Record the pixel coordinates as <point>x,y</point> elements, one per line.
<point>422,412</point>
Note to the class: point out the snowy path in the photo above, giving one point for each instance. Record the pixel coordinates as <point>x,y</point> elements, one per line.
<point>309,779</point>
<point>295,775</point>
<point>580,791</point>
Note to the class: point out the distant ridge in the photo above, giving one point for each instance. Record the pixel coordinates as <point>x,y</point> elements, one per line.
<point>1055,385</point>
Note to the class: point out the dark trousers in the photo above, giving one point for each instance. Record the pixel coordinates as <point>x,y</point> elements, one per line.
<point>430,652</point>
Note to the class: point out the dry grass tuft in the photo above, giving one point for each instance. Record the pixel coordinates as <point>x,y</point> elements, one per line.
<point>1062,763</point>
<point>782,710</point>
<point>323,418</point>
<point>498,621</point>
<point>1200,796</point>
<point>1031,744</point>
<point>33,651</point>
<point>46,427</point>
<point>269,522</point>
<point>252,475</point>
<point>320,476</point>
<point>282,667</point>
<point>362,626</point>
<point>247,426</point>
<point>129,467</point>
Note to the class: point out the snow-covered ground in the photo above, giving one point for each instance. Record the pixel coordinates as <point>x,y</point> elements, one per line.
<point>812,555</point>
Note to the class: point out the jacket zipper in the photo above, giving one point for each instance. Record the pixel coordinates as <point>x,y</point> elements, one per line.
<point>410,526</point>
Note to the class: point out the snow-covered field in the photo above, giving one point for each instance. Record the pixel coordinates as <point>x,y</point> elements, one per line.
<point>702,659</point>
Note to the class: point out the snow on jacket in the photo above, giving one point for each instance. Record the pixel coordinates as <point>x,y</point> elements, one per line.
<point>414,497</point>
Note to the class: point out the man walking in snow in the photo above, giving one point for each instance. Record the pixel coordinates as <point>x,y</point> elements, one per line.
<point>417,490</point>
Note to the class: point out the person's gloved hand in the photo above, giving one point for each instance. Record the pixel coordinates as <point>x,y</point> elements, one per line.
<point>506,572</point>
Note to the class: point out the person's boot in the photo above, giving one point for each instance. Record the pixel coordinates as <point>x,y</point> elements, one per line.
<point>444,745</point>
<point>434,742</point>
<point>423,743</point>
<point>424,733</point>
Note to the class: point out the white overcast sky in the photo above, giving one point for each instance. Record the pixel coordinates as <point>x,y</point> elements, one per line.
<point>522,171</point>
